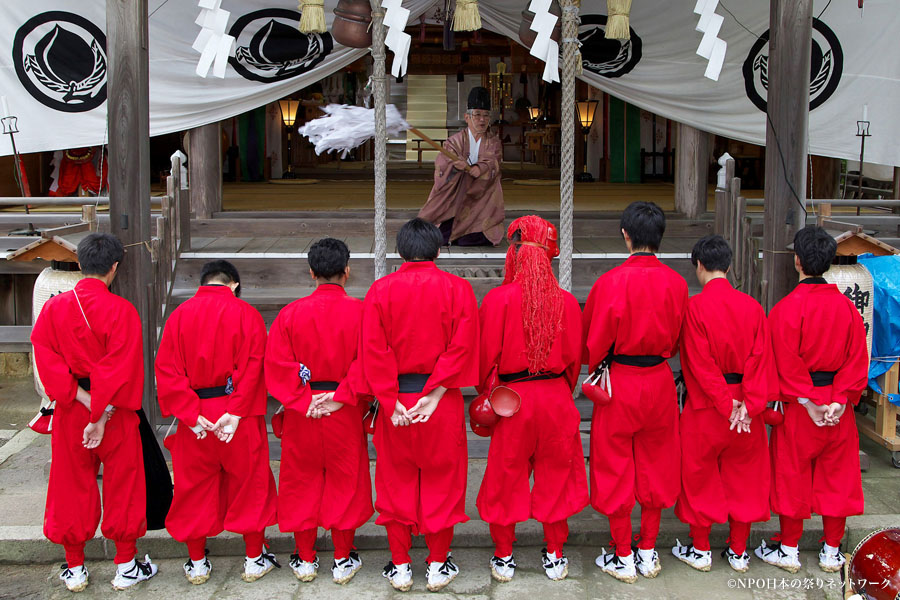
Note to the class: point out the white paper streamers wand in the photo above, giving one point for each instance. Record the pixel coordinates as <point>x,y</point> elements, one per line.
<point>712,48</point>
<point>395,18</point>
<point>344,127</point>
<point>544,47</point>
<point>212,42</point>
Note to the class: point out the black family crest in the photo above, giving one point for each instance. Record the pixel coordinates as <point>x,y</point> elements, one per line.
<point>270,48</point>
<point>609,58</point>
<point>826,67</point>
<point>60,58</point>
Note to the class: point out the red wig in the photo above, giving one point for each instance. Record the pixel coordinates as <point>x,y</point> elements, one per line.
<point>532,246</point>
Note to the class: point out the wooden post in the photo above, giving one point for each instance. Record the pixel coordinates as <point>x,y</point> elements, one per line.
<point>205,166</point>
<point>89,216</point>
<point>691,170</point>
<point>896,194</point>
<point>129,162</point>
<point>790,43</point>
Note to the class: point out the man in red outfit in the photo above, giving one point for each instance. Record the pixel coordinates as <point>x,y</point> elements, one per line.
<point>820,351</point>
<point>632,321</point>
<point>209,375</point>
<point>418,347</point>
<point>88,350</point>
<point>531,333</point>
<point>726,359</point>
<point>311,368</point>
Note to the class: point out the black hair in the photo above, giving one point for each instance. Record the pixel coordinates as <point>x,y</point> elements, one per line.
<point>713,252</point>
<point>419,239</point>
<point>98,252</point>
<point>328,258</point>
<point>645,223</point>
<point>815,249</point>
<point>220,271</point>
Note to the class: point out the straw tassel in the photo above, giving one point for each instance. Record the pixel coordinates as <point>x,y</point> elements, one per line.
<point>466,16</point>
<point>312,19</point>
<point>618,26</point>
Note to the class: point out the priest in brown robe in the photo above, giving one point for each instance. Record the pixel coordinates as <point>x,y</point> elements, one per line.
<point>466,201</point>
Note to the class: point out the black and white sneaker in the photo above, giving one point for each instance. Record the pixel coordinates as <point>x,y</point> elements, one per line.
<point>343,570</point>
<point>556,567</point>
<point>698,559</point>
<point>304,570</point>
<point>439,575</point>
<point>76,578</point>
<point>400,576</point>
<point>503,568</point>
<point>620,567</point>
<point>781,556</point>
<point>741,563</point>
<point>254,568</point>
<point>129,574</point>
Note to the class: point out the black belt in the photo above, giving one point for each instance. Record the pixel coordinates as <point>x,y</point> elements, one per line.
<point>412,383</point>
<point>527,376</point>
<point>637,361</point>
<point>323,386</point>
<point>212,392</point>
<point>733,378</point>
<point>85,383</point>
<point>822,378</point>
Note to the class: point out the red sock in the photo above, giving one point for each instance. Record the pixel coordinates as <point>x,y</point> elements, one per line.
<point>834,530</point>
<point>74,555</point>
<point>620,528</point>
<point>197,548</point>
<point>555,535</point>
<point>700,537</point>
<point>254,543</point>
<point>503,536</point>
<point>737,537</point>
<point>399,540</point>
<point>791,530</point>
<point>439,544</point>
<point>125,552</point>
<point>305,541</point>
<point>649,527</point>
<point>343,542</point>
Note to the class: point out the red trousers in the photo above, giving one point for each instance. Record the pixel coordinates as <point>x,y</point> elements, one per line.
<point>72,511</point>
<point>324,479</point>
<point>635,448</point>
<point>555,536</point>
<point>221,486</point>
<point>420,470</point>
<point>724,474</point>
<point>542,439</point>
<point>815,469</point>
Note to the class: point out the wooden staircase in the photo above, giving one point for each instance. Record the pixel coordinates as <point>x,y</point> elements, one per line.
<point>426,109</point>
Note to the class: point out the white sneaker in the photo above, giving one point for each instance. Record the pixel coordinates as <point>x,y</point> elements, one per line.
<point>76,578</point>
<point>254,568</point>
<point>739,563</point>
<point>647,563</point>
<point>620,567</point>
<point>400,576</point>
<point>698,559</point>
<point>831,559</point>
<point>503,568</point>
<point>556,567</point>
<point>132,573</point>
<point>779,555</point>
<point>439,575</point>
<point>303,570</point>
<point>197,571</point>
<point>343,570</point>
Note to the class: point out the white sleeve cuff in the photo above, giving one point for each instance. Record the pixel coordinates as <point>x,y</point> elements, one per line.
<point>109,408</point>
<point>197,428</point>
<point>802,401</point>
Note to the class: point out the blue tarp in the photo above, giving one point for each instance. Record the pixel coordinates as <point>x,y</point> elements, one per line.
<point>885,272</point>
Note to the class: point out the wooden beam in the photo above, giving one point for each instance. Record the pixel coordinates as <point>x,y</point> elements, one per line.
<point>129,161</point>
<point>787,130</point>
<point>205,170</point>
<point>691,170</point>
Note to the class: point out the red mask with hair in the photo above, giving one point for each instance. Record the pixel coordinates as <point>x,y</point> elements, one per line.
<point>532,247</point>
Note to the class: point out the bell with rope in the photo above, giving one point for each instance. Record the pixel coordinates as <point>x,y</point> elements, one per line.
<point>352,23</point>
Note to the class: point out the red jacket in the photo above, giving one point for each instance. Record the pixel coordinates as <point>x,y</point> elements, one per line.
<point>206,340</point>
<point>109,351</point>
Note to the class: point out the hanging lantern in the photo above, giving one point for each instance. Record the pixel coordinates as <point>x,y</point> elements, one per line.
<point>527,35</point>
<point>466,16</point>
<point>618,26</point>
<point>352,23</point>
<point>855,282</point>
<point>312,19</point>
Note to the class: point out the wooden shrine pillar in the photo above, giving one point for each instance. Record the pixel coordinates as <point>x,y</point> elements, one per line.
<point>205,170</point>
<point>691,170</point>
<point>790,43</point>
<point>128,103</point>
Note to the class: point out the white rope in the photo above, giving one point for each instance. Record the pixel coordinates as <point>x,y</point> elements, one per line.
<point>378,54</point>
<point>571,59</point>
